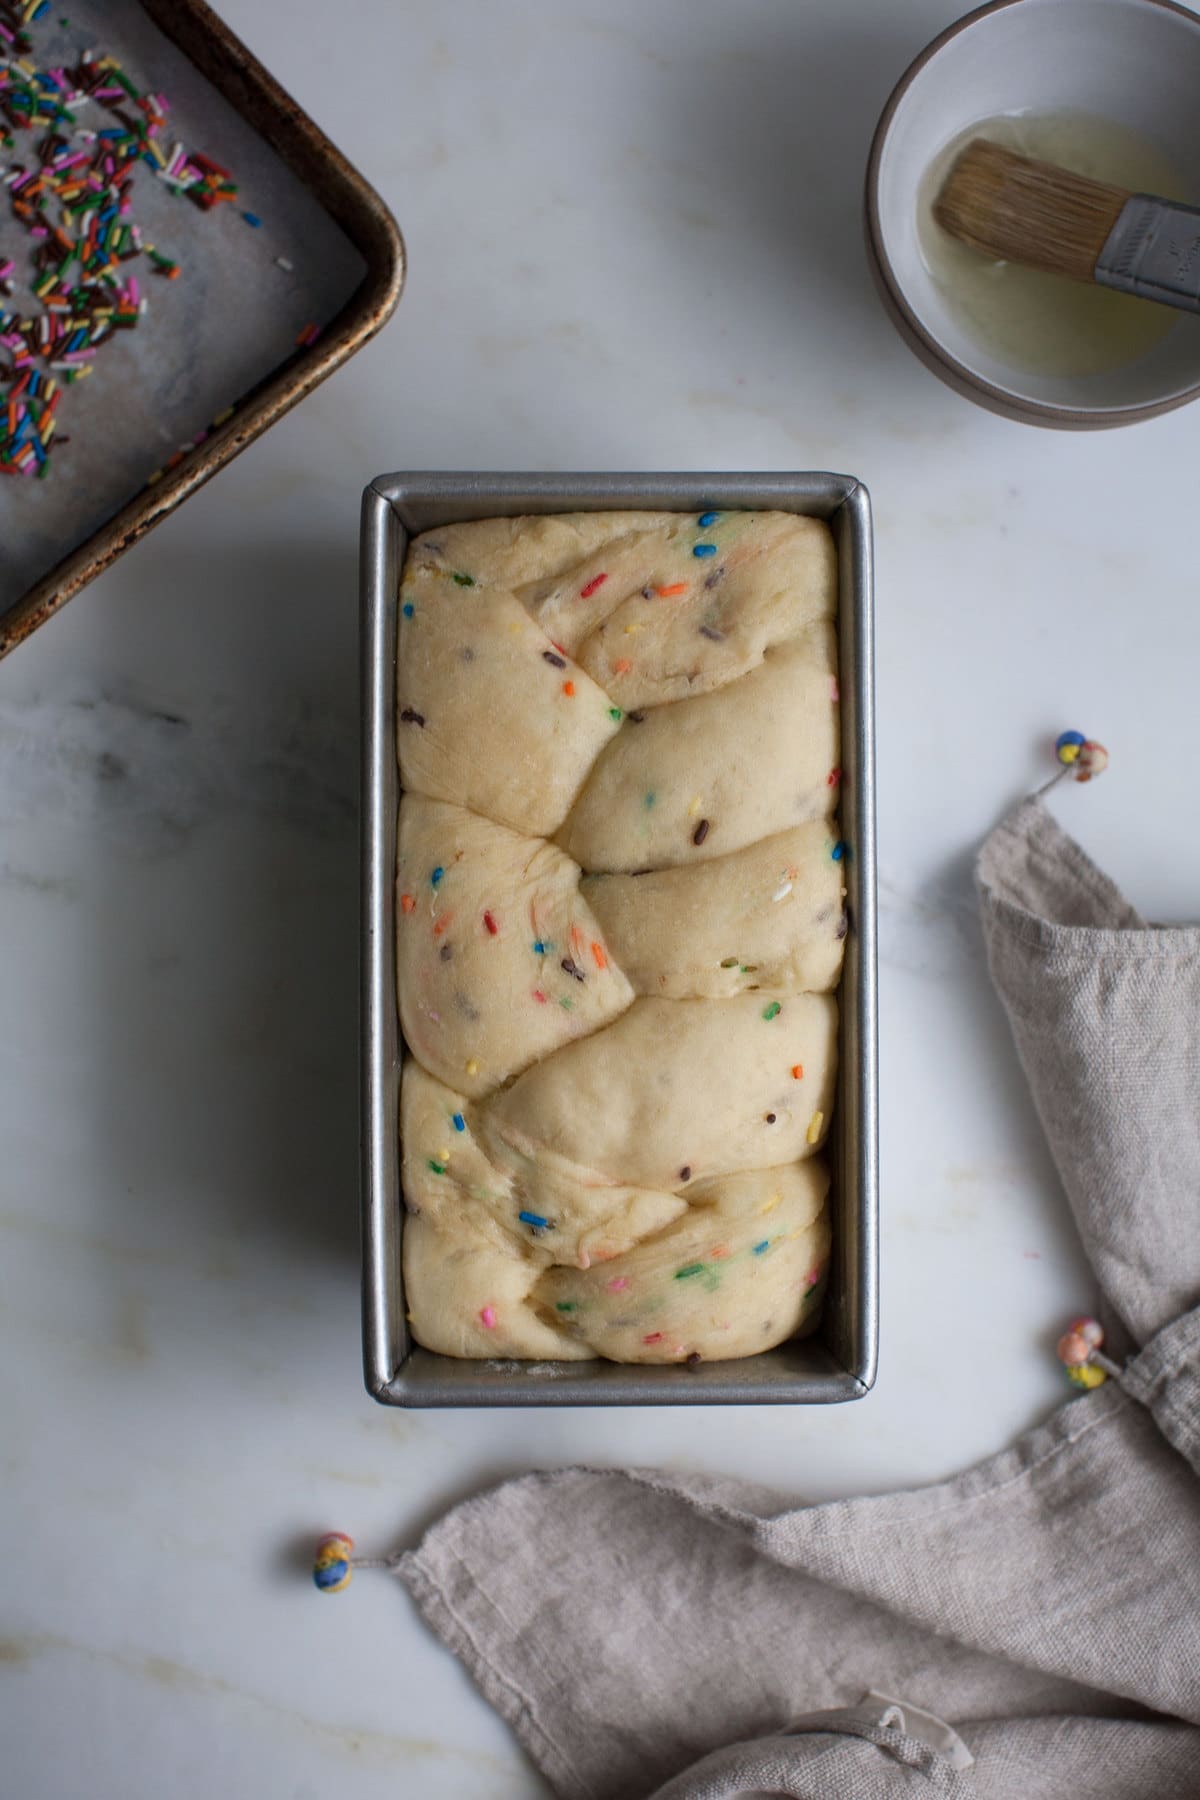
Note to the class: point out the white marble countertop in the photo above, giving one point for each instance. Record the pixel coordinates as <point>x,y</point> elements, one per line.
<point>634,243</point>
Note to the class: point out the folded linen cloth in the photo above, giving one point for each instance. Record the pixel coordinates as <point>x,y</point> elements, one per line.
<point>1035,1622</point>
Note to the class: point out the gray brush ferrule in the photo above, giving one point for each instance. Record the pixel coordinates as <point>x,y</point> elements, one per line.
<point>1153,250</point>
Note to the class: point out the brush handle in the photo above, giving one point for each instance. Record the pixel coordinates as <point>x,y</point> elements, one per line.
<point>1153,251</point>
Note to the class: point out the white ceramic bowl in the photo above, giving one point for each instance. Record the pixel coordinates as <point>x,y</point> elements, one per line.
<point>1136,62</point>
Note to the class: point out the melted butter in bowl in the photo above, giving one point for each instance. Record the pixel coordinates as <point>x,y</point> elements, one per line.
<point>1048,324</point>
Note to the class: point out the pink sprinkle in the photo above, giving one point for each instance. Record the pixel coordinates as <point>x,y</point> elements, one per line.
<point>597,581</point>
<point>835,692</point>
<point>813,1276</point>
<point>488,1317</point>
<point>539,996</point>
<point>617,1283</point>
<point>655,1337</point>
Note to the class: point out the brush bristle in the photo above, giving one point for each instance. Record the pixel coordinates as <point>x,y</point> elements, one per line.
<point>1017,210</point>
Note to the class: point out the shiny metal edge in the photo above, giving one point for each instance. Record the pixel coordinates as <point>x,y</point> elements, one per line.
<point>836,1365</point>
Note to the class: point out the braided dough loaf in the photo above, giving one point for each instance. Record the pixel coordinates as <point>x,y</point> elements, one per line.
<point>619,924</point>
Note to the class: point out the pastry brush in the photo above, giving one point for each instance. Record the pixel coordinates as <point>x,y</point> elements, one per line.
<point>1034,213</point>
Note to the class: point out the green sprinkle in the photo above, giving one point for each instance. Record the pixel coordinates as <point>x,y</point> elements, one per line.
<point>566,1306</point>
<point>437,1167</point>
<point>615,714</point>
<point>649,800</point>
<point>772,1011</point>
<point>461,580</point>
<point>689,1270</point>
<point>567,1005</point>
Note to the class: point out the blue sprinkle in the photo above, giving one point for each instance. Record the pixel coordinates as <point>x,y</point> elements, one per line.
<point>534,1219</point>
<point>759,1248</point>
<point>1069,737</point>
<point>458,1122</point>
<point>839,850</point>
<point>408,609</point>
<point>709,518</point>
<point>330,1575</point>
<point>252,219</point>
<point>436,877</point>
<point>704,549</point>
<point>539,949</point>
<point>650,799</point>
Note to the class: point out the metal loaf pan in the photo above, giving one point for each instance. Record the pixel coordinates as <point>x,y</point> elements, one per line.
<point>838,1361</point>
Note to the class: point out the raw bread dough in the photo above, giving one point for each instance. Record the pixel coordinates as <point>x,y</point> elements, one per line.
<point>767,916</point>
<point>619,921</point>
<point>740,1270</point>
<point>746,760</point>
<point>500,960</point>
<point>703,1086</point>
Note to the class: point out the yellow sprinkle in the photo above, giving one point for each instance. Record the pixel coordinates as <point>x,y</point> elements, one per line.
<point>814,1126</point>
<point>694,808</point>
<point>472,1067</point>
<point>443,1156</point>
<point>630,629</point>
<point>514,628</point>
<point>772,1203</point>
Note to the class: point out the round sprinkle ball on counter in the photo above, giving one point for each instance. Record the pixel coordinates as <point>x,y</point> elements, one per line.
<point>1068,746</point>
<point>1091,761</point>
<point>1083,756</point>
<point>331,1565</point>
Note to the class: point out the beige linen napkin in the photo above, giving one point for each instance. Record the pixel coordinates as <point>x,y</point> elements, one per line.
<point>693,1638</point>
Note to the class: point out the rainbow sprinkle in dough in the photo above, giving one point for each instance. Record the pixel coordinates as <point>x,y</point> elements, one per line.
<point>614,869</point>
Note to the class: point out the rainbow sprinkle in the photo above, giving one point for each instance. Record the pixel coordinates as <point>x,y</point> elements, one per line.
<point>72,194</point>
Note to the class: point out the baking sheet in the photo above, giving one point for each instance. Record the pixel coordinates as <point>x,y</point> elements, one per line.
<point>229,321</point>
